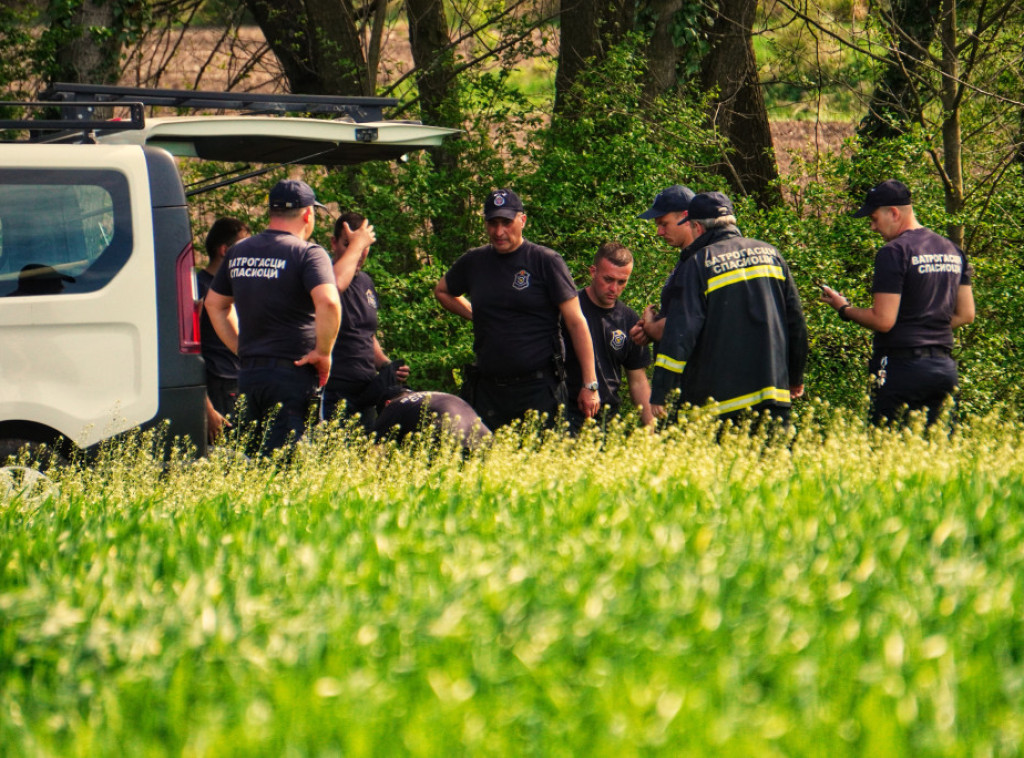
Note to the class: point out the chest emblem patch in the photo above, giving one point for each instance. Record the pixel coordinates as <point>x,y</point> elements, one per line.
<point>371,299</point>
<point>618,339</point>
<point>521,280</point>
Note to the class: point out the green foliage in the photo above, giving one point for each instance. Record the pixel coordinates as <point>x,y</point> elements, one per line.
<point>594,173</point>
<point>848,592</point>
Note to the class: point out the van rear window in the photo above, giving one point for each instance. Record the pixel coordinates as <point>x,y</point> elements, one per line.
<point>62,231</point>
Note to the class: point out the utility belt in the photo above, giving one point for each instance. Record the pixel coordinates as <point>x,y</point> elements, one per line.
<point>910,353</point>
<point>261,361</point>
<point>511,381</point>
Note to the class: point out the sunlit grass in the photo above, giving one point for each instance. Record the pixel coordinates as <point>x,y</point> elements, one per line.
<point>839,591</point>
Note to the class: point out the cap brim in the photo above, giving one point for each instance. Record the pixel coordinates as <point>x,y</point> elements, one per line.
<point>865,210</point>
<point>509,213</point>
<point>650,214</point>
<point>683,220</point>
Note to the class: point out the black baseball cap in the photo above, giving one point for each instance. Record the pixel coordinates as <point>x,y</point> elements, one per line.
<point>889,192</point>
<point>293,193</point>
<point>502,203</point>
<point>674,198</point>
<point>710,205</point>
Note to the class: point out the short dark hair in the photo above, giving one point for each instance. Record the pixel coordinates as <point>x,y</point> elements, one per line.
<point>225,231</point>
<point>615,253</point>
<point>353,219</point>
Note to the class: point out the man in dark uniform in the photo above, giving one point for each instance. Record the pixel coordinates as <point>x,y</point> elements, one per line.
<point>922,292</point>
<point>738,339</point>
<point>405,411</point>
<point>284,291</point>
<point>609,321</point>
<point>518,290</point>
<point>668,211</point>
<point>357,355</point>
<point>221,363</point>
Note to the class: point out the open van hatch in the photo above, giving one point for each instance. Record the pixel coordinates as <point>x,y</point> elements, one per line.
<point>281,140</point>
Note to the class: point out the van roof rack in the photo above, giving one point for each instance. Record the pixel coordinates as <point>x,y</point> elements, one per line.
<point>359,109</point>
<point>72,127</point>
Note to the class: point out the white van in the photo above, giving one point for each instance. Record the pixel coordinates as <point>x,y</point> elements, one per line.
<point>99,329</point>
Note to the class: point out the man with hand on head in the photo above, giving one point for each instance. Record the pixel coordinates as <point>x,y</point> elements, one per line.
<point>921,293</point>
<point>737,339</point>
<point>516,292</point>
<point>609,321</point>
<point>357,354</point>
<point>668,211</point>
<point>284,291</point>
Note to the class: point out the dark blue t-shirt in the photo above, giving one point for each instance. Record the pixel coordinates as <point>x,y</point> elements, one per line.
<point>220,361</point>
<point>613,349</point>
<point>353,359</point>
<point>926,270</point>
<point>270,276</point>
<point>515,298</point>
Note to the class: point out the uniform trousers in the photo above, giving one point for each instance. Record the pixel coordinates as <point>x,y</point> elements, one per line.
<point>502,400</point>
<point>279,398</point>
<point>911,379</point>
<point>223,393</point>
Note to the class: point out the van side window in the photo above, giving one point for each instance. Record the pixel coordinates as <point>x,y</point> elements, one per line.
<point>62,231</point>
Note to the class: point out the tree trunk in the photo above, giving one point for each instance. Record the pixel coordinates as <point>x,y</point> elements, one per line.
<point>662,54</point>
<point>952,144</point>
<point>738,109</point>
<point>317,43</point>
<point>896,101</point>
<point>82,57</point>
<point>588,28</point>
<point>434,59</point>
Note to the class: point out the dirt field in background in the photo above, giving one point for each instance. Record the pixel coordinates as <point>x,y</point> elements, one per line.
<point>195,65</point>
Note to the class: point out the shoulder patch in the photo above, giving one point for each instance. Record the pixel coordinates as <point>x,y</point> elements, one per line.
<point>371,299</point>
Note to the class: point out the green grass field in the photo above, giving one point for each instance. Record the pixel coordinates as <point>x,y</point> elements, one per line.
<point>844,592</point>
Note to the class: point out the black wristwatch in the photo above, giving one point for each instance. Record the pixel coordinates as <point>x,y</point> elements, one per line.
<point>842,312</point>
<point>593,386</point>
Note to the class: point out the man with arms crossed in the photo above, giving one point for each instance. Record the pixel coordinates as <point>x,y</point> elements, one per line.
<point>609,322</point>
<point>517,290</point>
<point>284,291</point>
<point>922,292</point>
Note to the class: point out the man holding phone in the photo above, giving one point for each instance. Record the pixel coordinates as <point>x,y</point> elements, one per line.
<point>921,293</point>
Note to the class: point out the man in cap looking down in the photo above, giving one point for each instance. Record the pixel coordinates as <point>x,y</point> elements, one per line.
<point>285,294</point>
<point>516,292</point>
<point>921,293</point>
<point>668,211</point>
<point>737,339</point>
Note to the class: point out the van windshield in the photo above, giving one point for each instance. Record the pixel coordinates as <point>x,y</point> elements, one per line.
<point>62,231</point>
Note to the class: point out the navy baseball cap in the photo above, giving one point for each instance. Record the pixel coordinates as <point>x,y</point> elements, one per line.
<point>674,198</point>
<point>502,203</point>
<point>710,205</point>
<point>889,192</point>
<point>292,193</point>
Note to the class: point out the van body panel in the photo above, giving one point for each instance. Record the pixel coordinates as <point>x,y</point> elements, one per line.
<point>83,363</point>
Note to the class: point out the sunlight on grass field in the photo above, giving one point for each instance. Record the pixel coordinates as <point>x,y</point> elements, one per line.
<point>842,591</point>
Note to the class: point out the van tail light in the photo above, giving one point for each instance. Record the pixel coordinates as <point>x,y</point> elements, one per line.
<point>188,302</point>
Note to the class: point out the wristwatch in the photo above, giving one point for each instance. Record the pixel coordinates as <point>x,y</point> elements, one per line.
<point>593,386</point>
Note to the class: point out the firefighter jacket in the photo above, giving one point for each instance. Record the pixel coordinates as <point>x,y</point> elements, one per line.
<point>737,339</point>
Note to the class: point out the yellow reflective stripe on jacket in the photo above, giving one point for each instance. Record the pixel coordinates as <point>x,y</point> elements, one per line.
<point>746,401</point>
<point>669,364</point>
<point>744,274</point>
